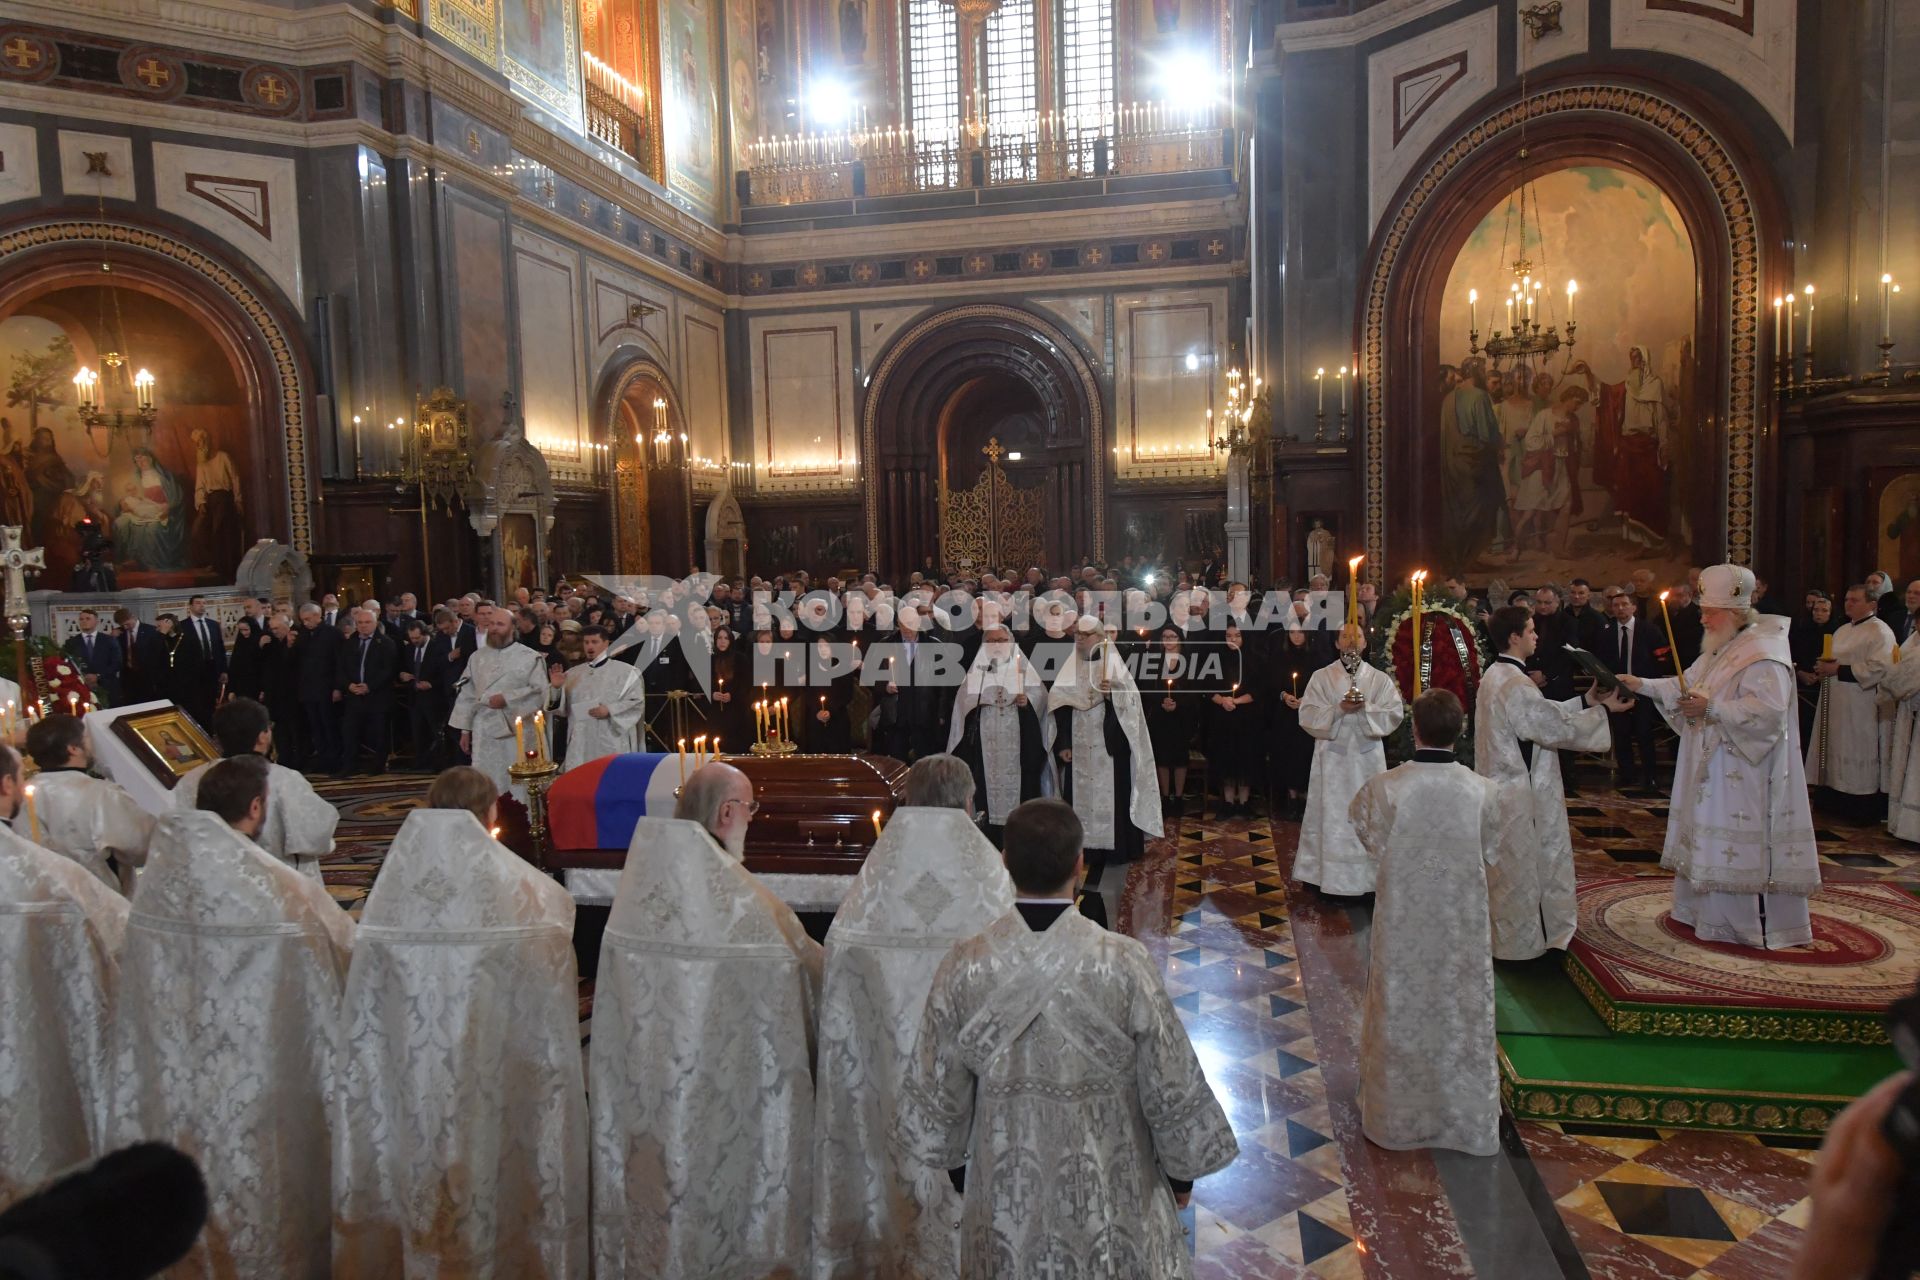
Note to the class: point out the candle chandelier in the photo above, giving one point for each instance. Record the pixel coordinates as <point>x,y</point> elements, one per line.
<point>114,397</point>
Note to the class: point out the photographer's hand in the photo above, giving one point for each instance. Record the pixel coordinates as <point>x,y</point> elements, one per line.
<point>1854,1180</point>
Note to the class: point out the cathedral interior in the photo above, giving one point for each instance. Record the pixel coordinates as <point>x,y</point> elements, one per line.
<point>309,300</point>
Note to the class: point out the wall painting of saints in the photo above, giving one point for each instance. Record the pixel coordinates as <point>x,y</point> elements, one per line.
<point>1591,461</point>
<point>540,53</point>
<point>692,113</point>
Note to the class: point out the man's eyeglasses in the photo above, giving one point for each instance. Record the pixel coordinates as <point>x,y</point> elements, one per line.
<point>753,806</point>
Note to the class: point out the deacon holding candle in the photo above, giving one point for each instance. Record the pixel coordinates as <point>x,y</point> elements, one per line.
<point>1740,834</point>
<point>504,681</point>
<point>1852,730</point>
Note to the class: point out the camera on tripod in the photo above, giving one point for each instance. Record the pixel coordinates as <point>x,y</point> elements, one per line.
<point>93,570</point>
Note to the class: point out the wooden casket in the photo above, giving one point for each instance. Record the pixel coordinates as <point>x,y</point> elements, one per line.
<point>816,821</point>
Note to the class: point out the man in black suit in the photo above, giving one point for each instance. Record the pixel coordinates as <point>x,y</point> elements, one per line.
<point>203,652</point>
<point>143,660</point>
<point>316,652</point>
<point>913,714</point>
<point>1585,621</point>
<point>364,676</point>
<point>98,656</point>
<point>1627,647</point>
<point>1904,622</point>
<point>423,673</point>
<point>280,689</point>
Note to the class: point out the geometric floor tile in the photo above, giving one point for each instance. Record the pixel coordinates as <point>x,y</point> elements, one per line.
<point>1680,1212</point>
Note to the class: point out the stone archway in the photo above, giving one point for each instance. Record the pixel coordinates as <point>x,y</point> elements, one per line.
<point>1569,123</point>
<point>254,329</point>
<point>651,531</point>
<point>981,355</point>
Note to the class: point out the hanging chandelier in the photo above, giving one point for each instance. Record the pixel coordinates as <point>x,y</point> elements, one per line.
<point>113,397</point>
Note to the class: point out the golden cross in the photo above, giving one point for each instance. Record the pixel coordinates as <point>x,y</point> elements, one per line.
<point>272,90</point>
<point>993,451</point>
<point>21,54</point>
<point>154,72</point>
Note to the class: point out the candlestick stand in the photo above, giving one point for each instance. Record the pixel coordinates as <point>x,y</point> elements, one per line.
<point>1320,427</point>
<point>536,773</point>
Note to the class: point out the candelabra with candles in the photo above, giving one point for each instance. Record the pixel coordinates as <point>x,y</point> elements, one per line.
<point>1243,396</point>
<point>772,729</point>
<point>535,769</point>
<point>1524,337</point>
<point>1793,365</point>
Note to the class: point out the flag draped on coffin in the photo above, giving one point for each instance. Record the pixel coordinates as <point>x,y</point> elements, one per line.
<point>596,805</point>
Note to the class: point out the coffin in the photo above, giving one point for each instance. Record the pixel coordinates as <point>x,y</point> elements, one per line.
<point>816,813</point>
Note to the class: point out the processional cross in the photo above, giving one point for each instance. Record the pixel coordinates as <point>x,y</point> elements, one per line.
<point>16,560</point>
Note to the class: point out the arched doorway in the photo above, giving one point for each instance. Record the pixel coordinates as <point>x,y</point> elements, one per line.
<point>230,396</point>
<point>652,512</point>
<point>1404,346</point>
<point>947,387</point>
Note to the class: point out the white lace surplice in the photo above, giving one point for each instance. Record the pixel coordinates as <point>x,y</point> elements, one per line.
<point>519,675</point>
<point>60,933</point>
<point>1740,830</point>
<point>88,819</point>
<point>460,1131</point>
<point>1348,749</point>
<point>700,1074</point>
<point>1092,767</point>
<point>224,1042</point>
<point>1532,883</point>
<point>1853,728</point>
<point>614,685</point>
<point>930,881</point>
<point>1899,684</point>
<point>1054,1067</point>
<point>1428,1077</point>
<point>298,827</point>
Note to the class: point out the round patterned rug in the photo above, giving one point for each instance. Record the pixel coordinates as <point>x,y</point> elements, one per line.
<point>1864,955</point>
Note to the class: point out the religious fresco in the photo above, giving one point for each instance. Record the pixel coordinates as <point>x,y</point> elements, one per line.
<point>540,53</point>
<point>692,104</point>
<point>519,553</point>
<point>1896,528</point>
<point>174,499</point>
<point>1591,461</point>
<point>743,72</point>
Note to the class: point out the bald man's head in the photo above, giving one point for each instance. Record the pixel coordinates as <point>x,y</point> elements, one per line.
<point>720,798</point>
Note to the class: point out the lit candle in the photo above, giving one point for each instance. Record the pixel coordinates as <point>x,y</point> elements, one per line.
<point>1672,648</point>
<point>520,737</point>
<point>1353,588</point>
<point>1826,647</point>
<point>1573,287</point>
<point>700,750</point>
<point>759,722</point>
<point>1419,598</point>
<point>876,824</point>
<point>786,721</point>
<point>33,817</point>
<point>1779,334</point>
<point>540,734</point>
<point>681,755</point>
<point>1320,390</point>
<point>1886,307</point>
<point>494,832</point>
<point>1809,292</point>
<point>1509,312</point>
<point>1343,388</point>
<point>73,704</point>
<point>1296,684</point>
<point>1792,301</point>
<point>1473,310</point>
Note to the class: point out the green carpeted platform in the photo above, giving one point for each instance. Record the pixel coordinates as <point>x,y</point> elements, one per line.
<point>1558,1061</point>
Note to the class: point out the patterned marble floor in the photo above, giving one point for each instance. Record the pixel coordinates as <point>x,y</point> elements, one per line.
<point>1268,975</point>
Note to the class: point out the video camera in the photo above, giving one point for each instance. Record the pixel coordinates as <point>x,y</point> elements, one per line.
<point>93,570</point>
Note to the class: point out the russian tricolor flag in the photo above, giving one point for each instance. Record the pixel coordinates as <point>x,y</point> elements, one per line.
<point>596,805</point>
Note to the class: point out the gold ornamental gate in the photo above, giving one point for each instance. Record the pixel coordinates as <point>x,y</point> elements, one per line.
<point>993,522</point>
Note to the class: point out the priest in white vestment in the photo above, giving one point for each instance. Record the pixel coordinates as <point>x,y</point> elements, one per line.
<point>224,1040</point>
<point>1349,747</point>
<point>1100,741</point>
<point>60,935</point>
<point>604,701</point>
<point>91,820</point>
<point>460,1126</point>
<point>504,682</point>
<point>1052,1068</point>
<point>1739,832</point>
<point>930,881</point>
<point>700,1072</point>
<point>1518,734</point>
<point>1897,681</point>
<point>1852,728</point>
<point>1428,1076</point>
<point>299,825</point>
<point>1001,728</point>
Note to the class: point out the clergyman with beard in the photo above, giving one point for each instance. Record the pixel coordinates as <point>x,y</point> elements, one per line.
<point>504,681</point>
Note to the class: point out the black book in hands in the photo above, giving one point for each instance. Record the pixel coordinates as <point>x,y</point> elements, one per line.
<point>1602,674</point>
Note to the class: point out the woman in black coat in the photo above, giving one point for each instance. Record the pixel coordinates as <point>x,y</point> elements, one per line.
<point>1172,706</point>
<point>1235,737</point>
<point>1292,659</point>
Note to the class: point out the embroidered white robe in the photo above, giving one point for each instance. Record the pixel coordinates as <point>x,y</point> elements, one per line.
<point>700,1074</point>
<point>460,1123</point>
<point>1428,1075</point>
<point>1053,1066</point>
<point>224,1042</point>
<point>1852,728</point>
<point>1739,830</point>
<point>1531,885</point>
<point>607,683</point>
<point>519,675</point>
<point>930,881</point>
<point>88,819</point>
<point>60,935</point>
<point>1898,684</point>
<point>1349,747</point>
<point>298,827</point>
<point>1092,767</point>
<point>996,678</point>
